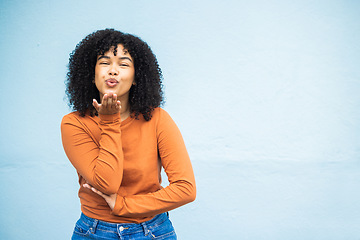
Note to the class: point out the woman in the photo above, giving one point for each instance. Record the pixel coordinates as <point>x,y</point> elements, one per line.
<point>118,139</point>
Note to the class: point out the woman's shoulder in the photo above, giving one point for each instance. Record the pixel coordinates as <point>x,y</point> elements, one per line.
<point>75,117</point>
<point>160,113</point>
<point>162,118</point>
<point>71,116</point>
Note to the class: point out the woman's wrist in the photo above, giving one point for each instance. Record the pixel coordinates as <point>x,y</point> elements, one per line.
<point>110,117</point>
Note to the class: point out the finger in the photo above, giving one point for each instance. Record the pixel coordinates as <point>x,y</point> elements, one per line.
<point>98,192</point>
<point>118,105</point>
<point>96,104</point>
<point>114,101</point>
<point>104,101</point>
<point>86,185</point>
<point>114,104</point>
<point>110,100</point>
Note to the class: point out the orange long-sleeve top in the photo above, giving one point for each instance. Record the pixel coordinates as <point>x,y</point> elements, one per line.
<point>126,157</point>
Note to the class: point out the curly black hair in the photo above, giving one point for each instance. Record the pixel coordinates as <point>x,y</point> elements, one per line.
<point>144,96</point>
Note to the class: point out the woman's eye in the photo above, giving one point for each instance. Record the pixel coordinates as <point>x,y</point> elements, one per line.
<point>104,63</point>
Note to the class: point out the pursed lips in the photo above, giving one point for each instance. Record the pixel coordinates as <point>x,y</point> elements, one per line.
<point>111,82</point>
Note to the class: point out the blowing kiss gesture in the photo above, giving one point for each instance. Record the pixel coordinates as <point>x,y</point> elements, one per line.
<point>109,104</point>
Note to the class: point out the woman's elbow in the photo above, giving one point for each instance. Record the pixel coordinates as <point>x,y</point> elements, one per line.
<point>190,193</point>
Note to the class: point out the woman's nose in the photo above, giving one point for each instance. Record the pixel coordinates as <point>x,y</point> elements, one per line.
<point>113,70</point>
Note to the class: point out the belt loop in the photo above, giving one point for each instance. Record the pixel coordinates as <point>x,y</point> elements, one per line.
<point>146,230</point>
<point>93,228</point>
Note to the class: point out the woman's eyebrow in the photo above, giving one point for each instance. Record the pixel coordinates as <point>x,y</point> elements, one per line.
<point>124,58</point>
<point>103,56</point>
<point>121,58</point>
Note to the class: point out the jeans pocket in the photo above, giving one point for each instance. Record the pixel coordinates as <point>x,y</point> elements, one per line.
<point>164,231</point>
<point>81,229</point>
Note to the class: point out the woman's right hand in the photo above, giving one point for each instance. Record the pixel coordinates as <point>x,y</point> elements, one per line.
<point>109,104</point>
<point>110,199</point>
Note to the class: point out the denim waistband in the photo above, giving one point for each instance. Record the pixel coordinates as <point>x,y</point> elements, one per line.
<point>124,228</point>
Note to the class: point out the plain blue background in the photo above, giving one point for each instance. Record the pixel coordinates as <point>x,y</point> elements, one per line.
<point>266,94</point>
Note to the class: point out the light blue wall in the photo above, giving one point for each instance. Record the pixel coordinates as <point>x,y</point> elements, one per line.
<point>266,94</point>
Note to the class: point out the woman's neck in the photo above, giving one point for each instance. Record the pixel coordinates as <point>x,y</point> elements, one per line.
<point>125,109</point>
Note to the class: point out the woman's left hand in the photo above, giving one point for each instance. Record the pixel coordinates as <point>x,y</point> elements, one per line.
<point>110,199</point>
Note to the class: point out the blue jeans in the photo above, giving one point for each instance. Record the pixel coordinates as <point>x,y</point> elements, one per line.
<point>159,227</point>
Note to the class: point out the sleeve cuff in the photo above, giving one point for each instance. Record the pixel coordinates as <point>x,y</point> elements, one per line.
<point>109,118</point>
<point>118,205</point>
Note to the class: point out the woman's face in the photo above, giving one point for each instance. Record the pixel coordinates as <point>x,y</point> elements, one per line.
<point>115,73</point>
